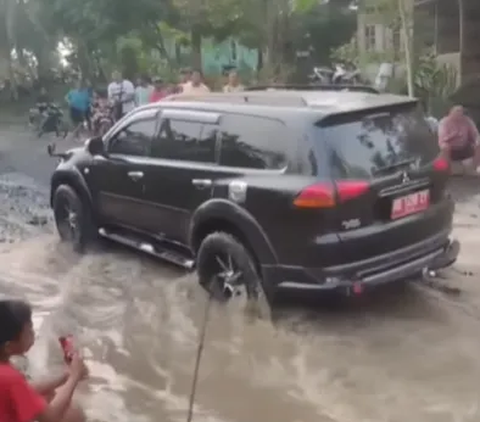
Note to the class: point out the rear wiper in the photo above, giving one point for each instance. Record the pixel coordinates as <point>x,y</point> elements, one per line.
<point>403,163</point>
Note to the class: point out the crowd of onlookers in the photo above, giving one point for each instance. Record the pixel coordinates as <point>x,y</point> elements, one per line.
<point>122,95</point>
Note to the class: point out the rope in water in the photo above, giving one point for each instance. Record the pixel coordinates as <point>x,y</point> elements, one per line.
<point>201,342</point>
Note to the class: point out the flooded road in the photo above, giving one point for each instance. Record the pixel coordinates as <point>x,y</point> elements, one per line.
<point>398,354</point>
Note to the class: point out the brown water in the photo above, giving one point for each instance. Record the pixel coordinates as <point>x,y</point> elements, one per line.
<point>397,355</point>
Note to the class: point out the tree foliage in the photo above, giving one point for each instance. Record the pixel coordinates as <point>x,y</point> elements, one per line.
<point>135,35</point>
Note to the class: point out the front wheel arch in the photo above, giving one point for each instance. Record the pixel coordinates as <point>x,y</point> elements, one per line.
<point>74,180</point>
<point>222,213</point>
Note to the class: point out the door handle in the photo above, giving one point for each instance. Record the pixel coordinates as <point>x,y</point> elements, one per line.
<point>202,183</point>
<point>135,175</point>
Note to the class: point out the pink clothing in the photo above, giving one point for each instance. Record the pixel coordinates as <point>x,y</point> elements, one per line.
<point>456,132</point>
<point>157,96</point>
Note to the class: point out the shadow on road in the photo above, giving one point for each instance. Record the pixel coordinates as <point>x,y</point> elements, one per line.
<point>463,188</point>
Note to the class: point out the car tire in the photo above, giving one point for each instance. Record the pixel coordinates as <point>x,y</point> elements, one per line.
<point>220,249</point>
<point>72,218</point>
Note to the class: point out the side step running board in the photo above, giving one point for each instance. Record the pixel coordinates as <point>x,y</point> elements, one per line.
<point>165,254</point>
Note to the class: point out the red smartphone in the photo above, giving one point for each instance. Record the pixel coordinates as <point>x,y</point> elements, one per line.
<point>66,343</point>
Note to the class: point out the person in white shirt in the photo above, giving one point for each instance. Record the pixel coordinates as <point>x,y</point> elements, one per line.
<point>233,84</point>
<point>195,85</point>
<point>121,93</point>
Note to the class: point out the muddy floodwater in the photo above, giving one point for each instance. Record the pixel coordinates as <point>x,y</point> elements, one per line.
<point>399,354</point>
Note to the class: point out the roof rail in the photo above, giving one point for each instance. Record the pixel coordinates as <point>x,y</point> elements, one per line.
<point>314,87</point>
<point>253,97</point>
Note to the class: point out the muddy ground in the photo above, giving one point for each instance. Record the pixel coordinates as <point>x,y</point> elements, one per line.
<point>401,353</point>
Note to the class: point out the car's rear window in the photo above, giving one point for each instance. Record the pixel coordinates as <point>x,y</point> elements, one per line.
<point>370,145</point>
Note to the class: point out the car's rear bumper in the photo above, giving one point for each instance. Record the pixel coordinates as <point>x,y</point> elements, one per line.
<point>434,253</point>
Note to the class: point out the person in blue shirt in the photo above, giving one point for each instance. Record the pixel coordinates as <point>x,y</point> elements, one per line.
<point>79,100</point>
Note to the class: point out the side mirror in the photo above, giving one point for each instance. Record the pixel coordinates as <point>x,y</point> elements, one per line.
<point>95,146</point>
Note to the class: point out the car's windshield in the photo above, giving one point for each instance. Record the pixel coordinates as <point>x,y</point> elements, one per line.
<point>368,145</point>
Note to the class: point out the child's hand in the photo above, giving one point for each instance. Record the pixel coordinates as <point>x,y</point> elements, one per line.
<point>78,369</point>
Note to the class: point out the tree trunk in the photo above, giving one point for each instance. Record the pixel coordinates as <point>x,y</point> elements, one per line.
<point>44,60</point>
<point>461,17</point>
<point>10,17</point>
<point>407,42</point>
<point>178,54</point>
<point>160,46</point>
<point>259,58</point>
<point>196,41</point>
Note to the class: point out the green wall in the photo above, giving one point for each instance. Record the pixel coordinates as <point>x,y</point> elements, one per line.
<point>217,54</point>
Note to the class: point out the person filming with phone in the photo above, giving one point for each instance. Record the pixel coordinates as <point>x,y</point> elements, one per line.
<point>43,401</point>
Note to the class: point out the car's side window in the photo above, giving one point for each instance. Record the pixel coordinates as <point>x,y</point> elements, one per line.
<point>134,139</point>
<point>185,141</point>
<point>252,142</point>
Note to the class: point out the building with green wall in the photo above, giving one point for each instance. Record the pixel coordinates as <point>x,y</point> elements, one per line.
<point>216,55</point>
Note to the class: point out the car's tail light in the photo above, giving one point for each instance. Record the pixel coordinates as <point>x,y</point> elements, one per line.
<point>441,164</point>
<point>323,195</point>
<point>350,189</point>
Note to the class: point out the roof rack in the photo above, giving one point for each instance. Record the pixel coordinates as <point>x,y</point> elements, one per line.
<point>314,87</point>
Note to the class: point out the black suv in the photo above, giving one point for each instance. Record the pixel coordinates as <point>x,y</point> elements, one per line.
<point>267,190</point>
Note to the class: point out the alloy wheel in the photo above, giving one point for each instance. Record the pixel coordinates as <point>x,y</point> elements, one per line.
<point>227,282</point>
<point>67,221</point>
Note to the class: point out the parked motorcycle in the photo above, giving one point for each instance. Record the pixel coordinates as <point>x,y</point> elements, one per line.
<point>321,76</point>
<point>340,76</point>
<point>47,118</point>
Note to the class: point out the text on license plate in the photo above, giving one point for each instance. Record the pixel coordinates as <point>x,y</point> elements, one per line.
<point>410,204</point>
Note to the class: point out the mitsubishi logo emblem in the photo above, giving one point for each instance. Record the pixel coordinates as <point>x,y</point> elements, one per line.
<point>405,177</point>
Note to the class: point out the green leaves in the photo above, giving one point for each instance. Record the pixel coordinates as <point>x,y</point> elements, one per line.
<point>303,6</point>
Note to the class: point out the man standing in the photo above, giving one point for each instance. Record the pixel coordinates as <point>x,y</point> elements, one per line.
<point>121,94</point>
<point>143,91</point>
<point>233,84</point>
<point>79,100</point>
<point>195,86</point>
<point>458,137</point>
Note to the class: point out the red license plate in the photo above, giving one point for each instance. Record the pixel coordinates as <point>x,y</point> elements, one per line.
<point>410,204</point>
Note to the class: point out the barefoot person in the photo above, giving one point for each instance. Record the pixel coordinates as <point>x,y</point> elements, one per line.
<point>20,401</point>
<point>458,137</point>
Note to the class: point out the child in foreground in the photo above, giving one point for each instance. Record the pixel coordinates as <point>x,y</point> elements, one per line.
<point>49,401</point>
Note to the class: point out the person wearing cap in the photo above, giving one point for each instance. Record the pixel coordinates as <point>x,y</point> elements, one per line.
<point>159,91</point>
